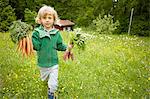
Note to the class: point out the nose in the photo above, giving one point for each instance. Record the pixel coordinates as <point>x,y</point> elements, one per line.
<point>47,19</point>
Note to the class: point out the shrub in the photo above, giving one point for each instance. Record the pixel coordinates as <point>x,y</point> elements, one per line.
<point>30,16</point>
<point>105,25</point>
<point>140,28</point>
<point>6,17</point>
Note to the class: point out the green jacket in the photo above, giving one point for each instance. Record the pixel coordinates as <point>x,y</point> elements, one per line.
<point>46,44</point>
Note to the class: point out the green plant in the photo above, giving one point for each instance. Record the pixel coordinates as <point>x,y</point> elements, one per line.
<point>140,27</point>
<point>19,30</point>
<point>79,38</point>
<point>7,16</point>
<point>105,25</point>
<point>30,16</point>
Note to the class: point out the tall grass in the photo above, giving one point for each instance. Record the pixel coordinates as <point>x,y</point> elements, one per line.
<point>111,66</point>
<point>19,77</point>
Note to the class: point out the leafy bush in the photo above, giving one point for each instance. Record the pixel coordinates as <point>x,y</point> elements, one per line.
<point>105,25</point>
<point>122,12</point>
<point>30,16</point>
<point>7,16</point>
<point>140,28</point>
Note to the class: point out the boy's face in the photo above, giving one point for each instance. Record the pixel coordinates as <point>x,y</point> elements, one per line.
<point>47,21</point>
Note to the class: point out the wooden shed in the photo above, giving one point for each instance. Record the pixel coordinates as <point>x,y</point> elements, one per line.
<point>64,25</point>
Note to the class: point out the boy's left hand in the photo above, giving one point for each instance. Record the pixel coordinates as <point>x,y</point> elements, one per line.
<point>68,54</point>
<point>70,46</point>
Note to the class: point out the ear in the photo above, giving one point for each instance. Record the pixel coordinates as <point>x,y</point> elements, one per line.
<point>39,21</point>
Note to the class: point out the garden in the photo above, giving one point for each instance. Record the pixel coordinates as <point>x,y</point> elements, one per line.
<point>111,53</point>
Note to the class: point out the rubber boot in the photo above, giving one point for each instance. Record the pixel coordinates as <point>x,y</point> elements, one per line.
<point>51,96</point>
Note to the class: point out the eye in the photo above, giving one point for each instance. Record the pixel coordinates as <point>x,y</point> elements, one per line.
<point>49,17</point>
<point>44,17</point>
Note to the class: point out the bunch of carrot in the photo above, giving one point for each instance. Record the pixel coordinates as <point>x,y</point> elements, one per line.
<point>25,46</point>
<point>19,33</point>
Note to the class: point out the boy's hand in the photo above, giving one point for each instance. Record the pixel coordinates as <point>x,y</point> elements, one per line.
<point>68,54</point>
<point>69,48</point>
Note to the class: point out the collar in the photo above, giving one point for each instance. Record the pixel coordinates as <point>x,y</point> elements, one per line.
<point>43,32</point>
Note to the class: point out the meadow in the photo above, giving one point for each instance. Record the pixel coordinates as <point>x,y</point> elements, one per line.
<point>110,67</point>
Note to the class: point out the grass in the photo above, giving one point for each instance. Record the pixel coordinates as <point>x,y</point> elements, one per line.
<point>111,66</point>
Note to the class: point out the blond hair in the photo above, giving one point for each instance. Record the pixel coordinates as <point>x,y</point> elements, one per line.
<point>44,10</point>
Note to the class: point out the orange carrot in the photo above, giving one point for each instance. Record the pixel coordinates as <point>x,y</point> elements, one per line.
<point>72,56</point>
<point>20,45</point>
<point>27,45</point>
<point>31,46</point>
<point>24,46</point>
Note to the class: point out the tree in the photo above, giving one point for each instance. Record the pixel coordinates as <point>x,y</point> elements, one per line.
<point>7,15</point>
<point>82,12</point>
<point>30,16</point>
<point>141,18</point>
<point>19,6</point>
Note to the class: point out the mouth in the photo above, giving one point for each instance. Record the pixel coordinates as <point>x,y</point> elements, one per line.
<point>48,24</point>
